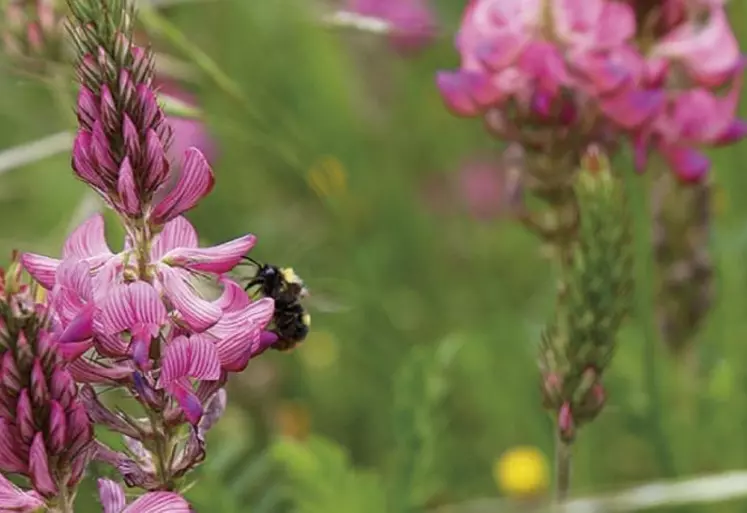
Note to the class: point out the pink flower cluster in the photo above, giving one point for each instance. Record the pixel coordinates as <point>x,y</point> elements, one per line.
<point>118,315</point>
<point>601,68</point>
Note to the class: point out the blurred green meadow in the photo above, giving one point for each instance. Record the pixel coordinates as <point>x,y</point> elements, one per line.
<point>420,370</point>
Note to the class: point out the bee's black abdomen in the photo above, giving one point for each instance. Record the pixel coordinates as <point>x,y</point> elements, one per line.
<point>290,320</point>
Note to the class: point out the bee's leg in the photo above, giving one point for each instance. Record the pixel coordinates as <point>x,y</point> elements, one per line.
<point>252,283</point>
<point>251,260</point>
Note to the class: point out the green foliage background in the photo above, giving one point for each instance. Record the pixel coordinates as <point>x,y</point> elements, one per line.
<point>428,374</point>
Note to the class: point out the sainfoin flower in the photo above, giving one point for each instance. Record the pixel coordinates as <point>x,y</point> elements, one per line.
<point>45,433</point>
<point>125,319</point>
<point>588,67</point>
<point>413,23</point>
<point>112,498</point>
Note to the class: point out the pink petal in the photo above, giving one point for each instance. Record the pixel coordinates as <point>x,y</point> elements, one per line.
<point>217,259</point>
<point>177,233</point>
<point>258,314</point>
<point>39,467</point>
<point>689,165</point>
<point>84,370</point>
<point>111,496</point>
<point>110,345</point>
<point>57,427</point>
<point>75,275</point>
<point>735,132</point>
<point>10,461</point>
<point>233,297</point>
<point>83,163</point>
<point>13,498</point>
<point>197,313</point>
<point>235,350</point>
<point>42,269</point>
<point>87,240</point>
<point>456,95</point>
<point>616,25</point>
<point>24,419</point>
<point>127,189</point>
<point>159,502</point>
<point>195,182</point>
<point>181,390</point>
<point>631,109</point>
<point>128,305</point>
<point>79,330</point>
<point>194,357</point>
<point>711,53</point>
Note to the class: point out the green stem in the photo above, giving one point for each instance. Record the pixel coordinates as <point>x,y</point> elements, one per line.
<point>563,457</point>
<point>65,501</point>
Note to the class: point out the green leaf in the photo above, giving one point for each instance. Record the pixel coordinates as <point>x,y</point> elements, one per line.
<point>420,388</point>
<point>324,480</point>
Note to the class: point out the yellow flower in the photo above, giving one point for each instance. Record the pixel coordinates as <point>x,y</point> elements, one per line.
<point>522,472</point>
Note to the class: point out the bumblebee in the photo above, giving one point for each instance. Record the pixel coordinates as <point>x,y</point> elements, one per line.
<point>290,321</point>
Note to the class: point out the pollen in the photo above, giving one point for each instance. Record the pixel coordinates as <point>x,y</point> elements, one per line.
<point>521,472</point>
<point>306,319</point>
<point>290,275</point>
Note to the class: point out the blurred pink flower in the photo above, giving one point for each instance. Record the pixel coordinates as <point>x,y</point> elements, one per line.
<point>573,66</point>
<point>413,21</point>
<point>488,189</point>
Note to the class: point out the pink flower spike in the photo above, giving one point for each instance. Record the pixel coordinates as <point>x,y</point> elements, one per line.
<point>195,182</point>
<point>194,357</point>
<point>43,269</point>
<point>159,502</point>
<point>177,233</point>
<point>111,495</point>
<point>88,241</point>
<point>13,498</point>
<point>197,313</point>
<point>217,259</point>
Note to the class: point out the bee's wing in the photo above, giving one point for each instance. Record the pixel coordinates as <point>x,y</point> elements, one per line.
<point>327,305</point>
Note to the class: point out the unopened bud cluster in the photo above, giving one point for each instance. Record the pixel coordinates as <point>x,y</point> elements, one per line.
<point>684,267</point>
<point>578,345</point>
<point>45,433</point>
